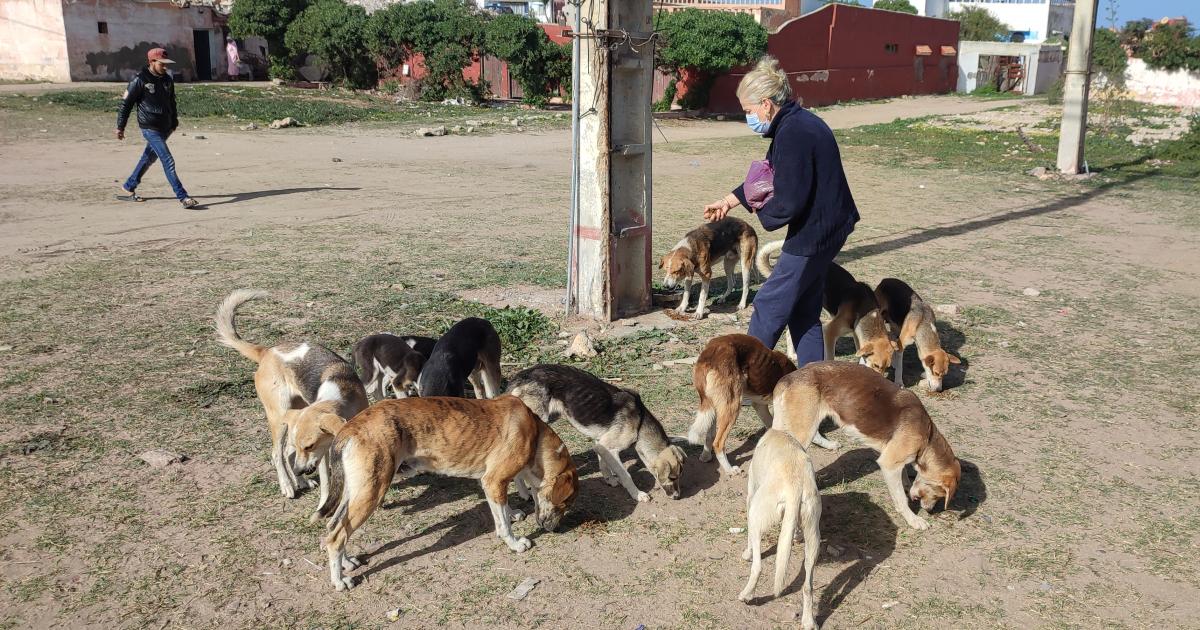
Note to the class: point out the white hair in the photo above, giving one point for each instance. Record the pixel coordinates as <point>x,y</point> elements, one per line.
<point>767,81</point>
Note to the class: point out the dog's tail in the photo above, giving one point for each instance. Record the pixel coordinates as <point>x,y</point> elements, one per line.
<point>226,330</point>
<point>337,500</point>
<point>790,511</point>
<point>762,260</point>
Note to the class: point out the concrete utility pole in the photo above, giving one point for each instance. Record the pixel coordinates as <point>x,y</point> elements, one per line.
<point>609,274</point>
<point>1075,88</point>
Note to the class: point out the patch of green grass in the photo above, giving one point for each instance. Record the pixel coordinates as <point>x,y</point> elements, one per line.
<point>919,144</point>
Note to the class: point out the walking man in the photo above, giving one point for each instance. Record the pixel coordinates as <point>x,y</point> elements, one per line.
<point>153,92</point>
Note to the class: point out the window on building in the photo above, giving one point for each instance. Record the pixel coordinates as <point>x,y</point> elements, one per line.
<point>892,48</point>
<point>103,27</point>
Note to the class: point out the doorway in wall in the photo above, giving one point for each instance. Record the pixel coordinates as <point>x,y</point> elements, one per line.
<point>204,70</point>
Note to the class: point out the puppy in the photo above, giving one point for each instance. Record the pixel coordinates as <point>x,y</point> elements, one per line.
<point>390,361</point>
<point>782,486</point>
<point>905,311</point>
<point>854,310</point>
<point>468,352</point>
<point>292,377</point>
<point>731,240</point>
<point>614,417</point>
<point>885,417</point>
<point>730,367</point>
<point>495,441</point>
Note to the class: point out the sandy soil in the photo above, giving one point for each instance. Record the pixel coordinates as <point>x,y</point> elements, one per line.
<point>1074,411</point>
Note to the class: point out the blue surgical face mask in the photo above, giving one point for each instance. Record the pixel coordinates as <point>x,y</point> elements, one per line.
<point>758,126</point>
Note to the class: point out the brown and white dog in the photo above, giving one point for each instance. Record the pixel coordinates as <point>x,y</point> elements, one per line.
<point>854,310</point>
<point>391,361</point>
<point>885,417</point>
<point>307,391</point>
<point>494,440</point>
<point>730,240</point>
<point>732,366</point>
<point>782,488</point>
<point>913,317</point>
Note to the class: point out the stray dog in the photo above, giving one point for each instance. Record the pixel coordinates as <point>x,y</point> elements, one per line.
<point>614,417</point>
<point>731,240</point>
<point>782,487</point>
<point>885,417</point>
<point>468,352</point>
<point>391,361</point>
<point>854,309</point>
<point>732,366</point>
<point>291,379</point>
<point>908,313</point>
<point>495,441</point>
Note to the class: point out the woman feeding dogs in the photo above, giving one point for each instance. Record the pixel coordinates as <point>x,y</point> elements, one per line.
<point>808,194</point>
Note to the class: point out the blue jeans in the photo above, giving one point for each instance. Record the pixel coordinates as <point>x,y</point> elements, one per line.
<point>156,149</point>
<point>792,298</point>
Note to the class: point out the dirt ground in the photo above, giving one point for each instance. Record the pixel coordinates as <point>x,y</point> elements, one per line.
<point>1074,412</point>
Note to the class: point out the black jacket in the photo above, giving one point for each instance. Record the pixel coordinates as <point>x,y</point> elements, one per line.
<point>812,197</point>
<point>154,96</point>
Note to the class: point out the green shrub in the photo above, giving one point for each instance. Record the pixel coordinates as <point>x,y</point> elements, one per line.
<point>707,43</point>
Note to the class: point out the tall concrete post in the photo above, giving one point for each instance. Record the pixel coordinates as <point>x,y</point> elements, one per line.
<point>610,263</point>
<point>1075,88</point>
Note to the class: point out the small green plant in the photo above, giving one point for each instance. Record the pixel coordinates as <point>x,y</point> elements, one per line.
<point>1185,148</point>
<point>390,86</point>
<point>706,44</point>
<point>977,24</point>
<point>664,104</point>
<point>902,6</point>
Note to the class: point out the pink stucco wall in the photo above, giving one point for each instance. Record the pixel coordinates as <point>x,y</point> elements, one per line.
<point>133,29</point>
<point>32,43</point>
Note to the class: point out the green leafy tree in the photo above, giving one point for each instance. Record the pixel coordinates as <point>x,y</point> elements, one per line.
<point>1171,47</point>
<point>1134,34</point>
<point>333,30</point>
<point>853,3</point>
<point>1108,56</point>
<point>704,44</point>
<point>446,33</point>
<point>534,60</point>
<point>268,19</point>
<point>977,24</point>
<point>902,6</point>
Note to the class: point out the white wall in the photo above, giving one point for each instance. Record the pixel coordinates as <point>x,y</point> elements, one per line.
<point>1162,87</point>
<point>33,41</point>
<point>1043,63</point>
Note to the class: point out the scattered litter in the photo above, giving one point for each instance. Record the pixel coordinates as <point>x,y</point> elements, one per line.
<point>425,132</point>
<point>657,367</point>
<point>922,186</point>
<point>52,401</point>
<point>393,615</point>
<point>523,588</point>
<point>200,137</point>
<point>887,605</point>
<point>159,458</point>
<point>285,122</point>
<point>1021,324</point>
<point>1005,344</point>
<point>454,101</point>
<point>1031,292</point>
<point>684,361</point>
<point>736,530</point>
<point>5,348</point>
<point>286,562</point>
<point>337,159</point>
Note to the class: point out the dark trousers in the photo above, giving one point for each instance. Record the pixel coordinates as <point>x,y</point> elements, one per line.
<point>156,151</point>
<point>792,298</point>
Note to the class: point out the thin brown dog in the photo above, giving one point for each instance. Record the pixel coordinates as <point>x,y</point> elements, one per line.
<point>854,310</point>
<point>885,417</point>
<point>913,317</point>
<point>494,440</point>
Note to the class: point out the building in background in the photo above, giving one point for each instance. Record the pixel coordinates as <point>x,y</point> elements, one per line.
<point>1029,20</point>
<point>1020,68</point>
<point>107,40</point>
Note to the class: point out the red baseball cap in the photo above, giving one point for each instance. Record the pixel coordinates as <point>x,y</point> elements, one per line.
<point>158,54</point>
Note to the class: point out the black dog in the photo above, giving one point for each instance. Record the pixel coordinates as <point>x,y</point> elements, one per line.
<point>468,352</point>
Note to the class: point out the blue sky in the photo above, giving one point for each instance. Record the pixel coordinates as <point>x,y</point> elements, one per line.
<point>1154,9</point>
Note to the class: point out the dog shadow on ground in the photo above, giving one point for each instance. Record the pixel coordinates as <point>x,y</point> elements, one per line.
<point>854,529</point>
<point>598,502</point>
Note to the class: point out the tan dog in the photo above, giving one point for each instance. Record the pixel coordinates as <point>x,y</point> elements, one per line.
<point>854,310</point>
<point>291,378</point>
<point>907,312</point>
<point>782,487</point>
<point>732,366</point>
<point>885,417</point>
<point>494,440</point>
<point>731,240</point>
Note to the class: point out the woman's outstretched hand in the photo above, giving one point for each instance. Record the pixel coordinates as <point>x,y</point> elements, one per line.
<point>719,209</point>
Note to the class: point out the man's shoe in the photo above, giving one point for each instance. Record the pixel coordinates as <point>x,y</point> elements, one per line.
<point>188,203</point>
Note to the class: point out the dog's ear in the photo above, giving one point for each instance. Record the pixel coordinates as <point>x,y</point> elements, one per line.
<point>953,359</point>
<point>927,360</point>
<point>863,352</point>
<point>331,423</point>
<point>662,262</point>
<point>895,346</point>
